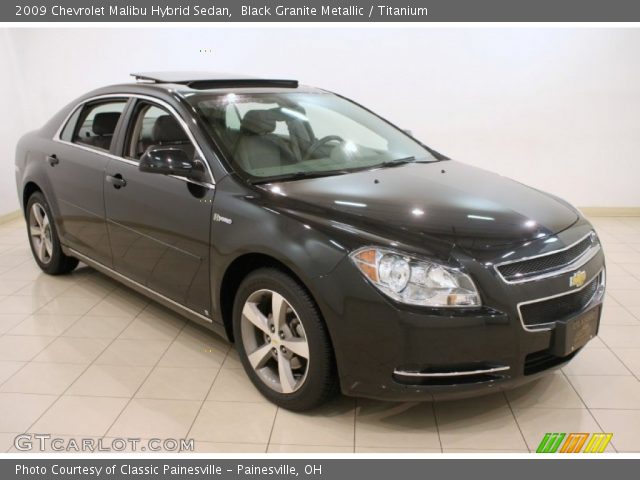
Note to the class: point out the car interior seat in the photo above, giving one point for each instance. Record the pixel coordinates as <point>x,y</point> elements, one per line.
<point>167,131</point>
<point>103,128</point>
<point>258,147</point>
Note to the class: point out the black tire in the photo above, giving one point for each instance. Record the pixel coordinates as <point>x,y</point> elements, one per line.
<point>55,262</point>
<point>320,380</point>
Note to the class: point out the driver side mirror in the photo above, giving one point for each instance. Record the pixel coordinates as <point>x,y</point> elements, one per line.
<point>168,161</point>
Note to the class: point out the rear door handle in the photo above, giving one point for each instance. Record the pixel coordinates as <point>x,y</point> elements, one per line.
<point>117,181</point>
<point>53,160</point>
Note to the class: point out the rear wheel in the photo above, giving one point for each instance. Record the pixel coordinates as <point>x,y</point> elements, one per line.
<point>282,341</point>
<point>43,238</point>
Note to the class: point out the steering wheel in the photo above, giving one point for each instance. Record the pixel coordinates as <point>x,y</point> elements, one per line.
<point>320,142</point>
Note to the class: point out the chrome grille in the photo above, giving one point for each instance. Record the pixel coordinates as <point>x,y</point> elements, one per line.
<point>547,264</point>
<point>543,312</point>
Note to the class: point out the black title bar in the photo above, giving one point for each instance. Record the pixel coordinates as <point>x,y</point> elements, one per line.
<point>314,469</point>
<point>319,11</point>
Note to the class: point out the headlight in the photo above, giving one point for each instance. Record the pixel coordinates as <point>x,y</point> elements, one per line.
<point>415,281</point>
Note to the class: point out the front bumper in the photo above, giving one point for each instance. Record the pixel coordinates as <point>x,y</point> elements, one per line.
<point>395,352</point>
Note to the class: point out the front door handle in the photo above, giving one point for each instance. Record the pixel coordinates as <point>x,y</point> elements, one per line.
<point>117,181</point>
<point>53,160</point>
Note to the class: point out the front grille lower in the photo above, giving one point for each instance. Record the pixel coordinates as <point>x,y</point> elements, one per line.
<point>554,309</point>
<point>522,270</point>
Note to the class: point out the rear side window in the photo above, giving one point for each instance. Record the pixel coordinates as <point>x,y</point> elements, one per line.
<point>97,123</point>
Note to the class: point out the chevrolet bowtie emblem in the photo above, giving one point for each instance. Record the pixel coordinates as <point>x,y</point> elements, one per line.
<point>578,278</point>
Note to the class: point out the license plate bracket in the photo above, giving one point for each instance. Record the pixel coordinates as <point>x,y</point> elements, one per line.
<point>571,334</point>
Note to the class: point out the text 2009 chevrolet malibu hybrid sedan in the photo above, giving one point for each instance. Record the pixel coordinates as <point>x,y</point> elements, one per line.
<point>329,245</point>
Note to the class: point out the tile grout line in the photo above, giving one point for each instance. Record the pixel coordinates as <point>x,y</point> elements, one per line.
<point>55,337</point>
<point>435,419</point>
<point>524,439</point>
<point>31,360</point>
<point>614,353</point>
<point>355,425</point>
<point>625,308</point>
<point>151,370</point>
<point>624,364</point>
<point>81,373</point>
<point>15,267</point>
<point>616,409</point>
<point>58,296</point>
<point>273,424</point>
<point>585,404</point>
<point>193,422</point>
<point>27,362</point>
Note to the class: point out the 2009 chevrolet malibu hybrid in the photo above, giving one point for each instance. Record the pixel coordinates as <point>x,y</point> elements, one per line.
<point>332,247</point>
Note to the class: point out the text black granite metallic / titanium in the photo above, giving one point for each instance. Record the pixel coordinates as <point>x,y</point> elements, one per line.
<point>165,185</point>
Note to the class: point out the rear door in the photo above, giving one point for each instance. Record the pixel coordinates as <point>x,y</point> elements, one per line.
<point>77,163</point>
<point>159,225</point>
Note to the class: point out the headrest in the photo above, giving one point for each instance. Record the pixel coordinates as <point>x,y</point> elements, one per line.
<point>104,123</point>
<point>167,129</point>
<point>258,122</point>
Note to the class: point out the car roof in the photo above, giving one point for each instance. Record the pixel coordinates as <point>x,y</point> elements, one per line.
<point>187,84</point>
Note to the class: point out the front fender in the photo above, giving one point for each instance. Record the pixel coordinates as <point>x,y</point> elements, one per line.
<point>245,222</point>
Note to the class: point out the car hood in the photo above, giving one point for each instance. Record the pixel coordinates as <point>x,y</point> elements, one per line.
<point>447,201</point>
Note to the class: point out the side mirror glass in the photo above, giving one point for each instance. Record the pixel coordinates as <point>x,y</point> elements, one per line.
<point>167,161</point>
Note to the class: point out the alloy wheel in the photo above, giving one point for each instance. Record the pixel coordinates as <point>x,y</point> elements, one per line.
<point>275,341</point>
<point>40,233</point>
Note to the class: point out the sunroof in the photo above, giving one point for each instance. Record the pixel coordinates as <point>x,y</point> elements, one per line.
<point>209,80</point>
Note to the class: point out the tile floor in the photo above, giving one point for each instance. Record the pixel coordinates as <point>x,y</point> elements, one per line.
<point>82,357</point>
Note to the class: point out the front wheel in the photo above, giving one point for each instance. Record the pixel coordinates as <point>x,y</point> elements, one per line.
<point>43,238</point>
<point>282,341</point>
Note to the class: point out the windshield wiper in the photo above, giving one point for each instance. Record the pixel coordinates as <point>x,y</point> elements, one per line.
<point>328,173</point>
<point>397,161</point>
<point>298,176</point>
<point>402,161</point>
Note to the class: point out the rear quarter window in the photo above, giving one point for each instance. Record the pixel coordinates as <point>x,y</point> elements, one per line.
<point>67,132</point>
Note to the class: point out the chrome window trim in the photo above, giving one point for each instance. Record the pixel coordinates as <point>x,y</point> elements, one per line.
<point>405,373</point>
<point>127,96</point>
<point>90,261</point>
<point>574,264</point>
<point>549,325</point>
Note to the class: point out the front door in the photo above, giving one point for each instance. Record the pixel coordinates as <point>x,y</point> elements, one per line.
<point>159,225</point>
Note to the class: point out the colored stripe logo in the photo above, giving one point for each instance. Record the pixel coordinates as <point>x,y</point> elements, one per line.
<point>574,443</point>
<point>598,442</point>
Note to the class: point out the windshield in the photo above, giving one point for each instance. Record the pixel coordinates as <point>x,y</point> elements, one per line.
<point>275,136</point>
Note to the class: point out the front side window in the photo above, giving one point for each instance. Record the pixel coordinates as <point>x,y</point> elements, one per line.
<point>153,126</point>
<point>97,123</point>
<point>269,136</point>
